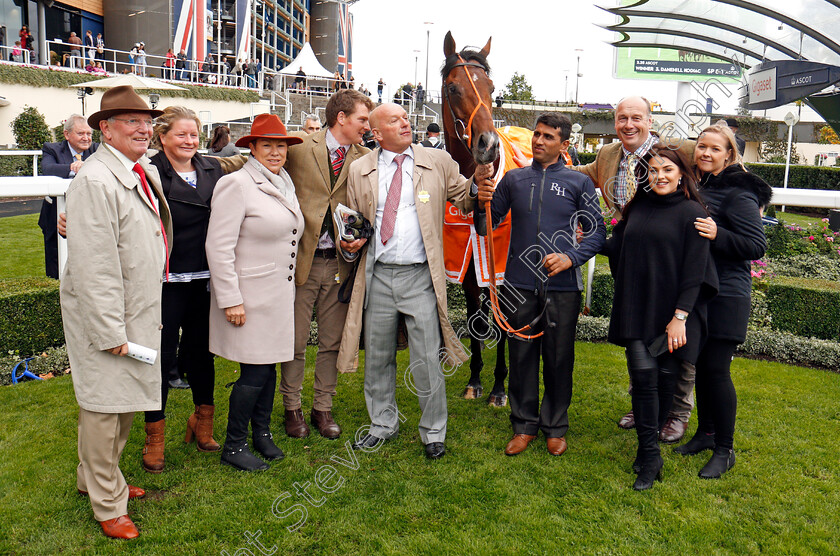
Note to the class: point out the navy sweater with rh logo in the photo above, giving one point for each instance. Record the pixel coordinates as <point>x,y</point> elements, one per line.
<point>546,205</point>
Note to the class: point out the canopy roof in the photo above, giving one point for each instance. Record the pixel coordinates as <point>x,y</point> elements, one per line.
<point>311,66</point>
<point>745,31</point>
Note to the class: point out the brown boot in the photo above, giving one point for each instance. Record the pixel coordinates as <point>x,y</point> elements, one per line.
<point>296,426</point>
<point>153,450</point>
<point>326,425</point>
<point>200,428</point>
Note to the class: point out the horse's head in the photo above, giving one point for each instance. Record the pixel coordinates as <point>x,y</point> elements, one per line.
<point>467,91</point>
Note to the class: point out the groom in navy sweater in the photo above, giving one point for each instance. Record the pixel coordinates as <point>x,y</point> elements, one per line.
<point>543,282</point>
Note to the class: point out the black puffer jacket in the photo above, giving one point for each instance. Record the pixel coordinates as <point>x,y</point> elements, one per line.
<point>734,198</point>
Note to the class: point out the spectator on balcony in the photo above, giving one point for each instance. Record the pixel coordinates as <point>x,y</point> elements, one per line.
<point>75,51</point>
<point>181,64</point>
<point>17,53</point>
<point>379,87</point>
<point>132,56</point>
<point>25,37</point>
<point>300,79</point>
<point>90,50</point>
<point>100,47</point>
<point>169,64</point>
<point>141,59</point>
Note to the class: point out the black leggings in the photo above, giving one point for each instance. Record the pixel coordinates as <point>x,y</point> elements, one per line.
<point>717,402</point>
<point>256,375</point>
<point>653,379</point>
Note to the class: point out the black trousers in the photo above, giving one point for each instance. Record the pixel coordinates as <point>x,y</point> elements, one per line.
<point>717,403</point>
<point>654,379</point>
<point>185,338</point>
<point>557,348</point>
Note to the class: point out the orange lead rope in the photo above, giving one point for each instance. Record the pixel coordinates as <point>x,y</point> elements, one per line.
<point>494,301</point>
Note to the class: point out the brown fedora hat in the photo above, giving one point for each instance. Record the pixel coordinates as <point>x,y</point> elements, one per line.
<point>120,100</point>
<point>268,126</point>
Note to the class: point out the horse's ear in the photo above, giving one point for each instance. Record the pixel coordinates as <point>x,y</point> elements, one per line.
<point>448,44</point>
<point>486,50</point>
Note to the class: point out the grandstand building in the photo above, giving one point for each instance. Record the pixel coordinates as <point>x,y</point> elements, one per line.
<point>272,31</point>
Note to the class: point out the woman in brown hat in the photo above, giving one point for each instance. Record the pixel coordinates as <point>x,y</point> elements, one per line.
<point>252,242</point>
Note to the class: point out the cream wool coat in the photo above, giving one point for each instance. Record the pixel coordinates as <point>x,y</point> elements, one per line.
<point>252,245</point>
<point>111,287</point>
<point>438,175</point>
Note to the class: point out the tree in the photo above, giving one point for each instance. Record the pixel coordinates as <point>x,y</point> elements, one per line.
<point>30,129</point>
<point>518,88</point>
<point>828,136</point>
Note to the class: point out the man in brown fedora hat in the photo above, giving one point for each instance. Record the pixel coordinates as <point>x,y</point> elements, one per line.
<point>118,238</point>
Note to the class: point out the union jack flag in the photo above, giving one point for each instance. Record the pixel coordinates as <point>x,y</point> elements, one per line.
<point>191,28</point>
<point>345,41</point>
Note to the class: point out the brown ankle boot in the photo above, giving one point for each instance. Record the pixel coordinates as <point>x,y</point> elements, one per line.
<point>296,426</point>
<point>200,429</point>
<point>153,450</point>
<point>326,425</point>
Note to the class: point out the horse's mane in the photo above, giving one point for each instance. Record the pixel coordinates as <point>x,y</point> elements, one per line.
<point>468,55</point>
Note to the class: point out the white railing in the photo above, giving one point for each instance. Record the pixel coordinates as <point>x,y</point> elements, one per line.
<point>33,154</point>
<point>8,54</point>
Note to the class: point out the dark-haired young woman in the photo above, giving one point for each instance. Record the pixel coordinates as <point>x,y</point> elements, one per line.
<point>664,275</point>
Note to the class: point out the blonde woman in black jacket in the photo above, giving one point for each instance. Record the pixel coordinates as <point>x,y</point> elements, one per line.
<point>735,199</point>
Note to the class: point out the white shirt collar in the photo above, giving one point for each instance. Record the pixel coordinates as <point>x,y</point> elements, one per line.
<point>333,144</point>
<point>127,162</point>
<point>388,156</point>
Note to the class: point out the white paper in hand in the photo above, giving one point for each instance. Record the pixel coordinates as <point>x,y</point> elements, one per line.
<point>142,353</point>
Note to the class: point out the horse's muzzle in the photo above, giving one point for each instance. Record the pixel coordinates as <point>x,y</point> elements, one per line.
<point>486,148</point>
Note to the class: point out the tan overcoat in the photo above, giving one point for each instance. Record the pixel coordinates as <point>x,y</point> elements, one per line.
<point>436,180</point>
<point>111,286</point>
<point>252,245</point>
<point>309,165</point>
<point>603,170</point>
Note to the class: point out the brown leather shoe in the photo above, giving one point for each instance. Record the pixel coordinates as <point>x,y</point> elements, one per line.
<point>200,429</point>
<point>628,421</point>
<point>133,492</point>
<point>296,426</point>
<point>326,425</point>
<point>556,446</point>
<point>120,528</point>
<point>518,444</point>
<point>672,431</point>
<point>153,450</point>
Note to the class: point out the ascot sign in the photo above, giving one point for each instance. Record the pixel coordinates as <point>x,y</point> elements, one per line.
<point>774,83</point>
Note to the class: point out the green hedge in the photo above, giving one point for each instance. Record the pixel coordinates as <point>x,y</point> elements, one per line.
<point>805,307</point>
<point>801,177</point>
<point>602,293</point>
<point>586,158</point>
<point>30,316</point>
<point>42,77</point>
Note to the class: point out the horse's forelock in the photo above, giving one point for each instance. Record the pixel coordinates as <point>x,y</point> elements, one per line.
<point>468,55</point>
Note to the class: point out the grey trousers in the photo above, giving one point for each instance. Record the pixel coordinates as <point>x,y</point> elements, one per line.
<point>406,290</point>
<point>102,437</point>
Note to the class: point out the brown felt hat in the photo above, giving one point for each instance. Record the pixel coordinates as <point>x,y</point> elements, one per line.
<point>268,126</point>
<point>120,100</point>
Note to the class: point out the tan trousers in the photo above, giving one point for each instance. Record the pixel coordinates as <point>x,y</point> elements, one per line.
<point>320,291</point>
<point>102,437</point>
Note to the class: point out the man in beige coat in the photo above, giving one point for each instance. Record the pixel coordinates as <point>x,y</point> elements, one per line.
<point>118,234</point>
<point>319,168</point>
<point>403,189</point>
<point>611,172</point>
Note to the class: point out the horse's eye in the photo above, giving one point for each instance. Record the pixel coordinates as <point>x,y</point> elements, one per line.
<point>453,89</point>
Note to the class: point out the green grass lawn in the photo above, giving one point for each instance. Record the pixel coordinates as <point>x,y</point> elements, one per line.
<point>798,219</point>
<point>22,247</point>
<point>782,497</point>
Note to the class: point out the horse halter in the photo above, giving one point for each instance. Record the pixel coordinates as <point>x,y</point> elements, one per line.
<point>467,128</point>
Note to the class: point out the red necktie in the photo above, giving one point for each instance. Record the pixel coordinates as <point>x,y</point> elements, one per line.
<point>139,170</point>
<point>392,202</point>
<point>339,160</point>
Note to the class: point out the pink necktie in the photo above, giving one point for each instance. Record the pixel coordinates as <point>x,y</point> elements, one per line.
<point>339,161</point>
<point>139,170</point>
<point>392,202</point>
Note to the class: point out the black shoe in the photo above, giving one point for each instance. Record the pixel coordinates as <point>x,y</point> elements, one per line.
<point>723,459</point>
<point>649,472</point>
<point>179,384</point>
<point>265,446</point>
<point>699,442</point>
<point>368,441</point>
<point>241,458</point>
<point>435,450</point>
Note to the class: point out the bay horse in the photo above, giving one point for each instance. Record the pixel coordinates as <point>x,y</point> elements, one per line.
<point>471,139</point>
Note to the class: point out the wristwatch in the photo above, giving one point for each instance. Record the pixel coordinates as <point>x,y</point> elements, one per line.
<point>680,316</point>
